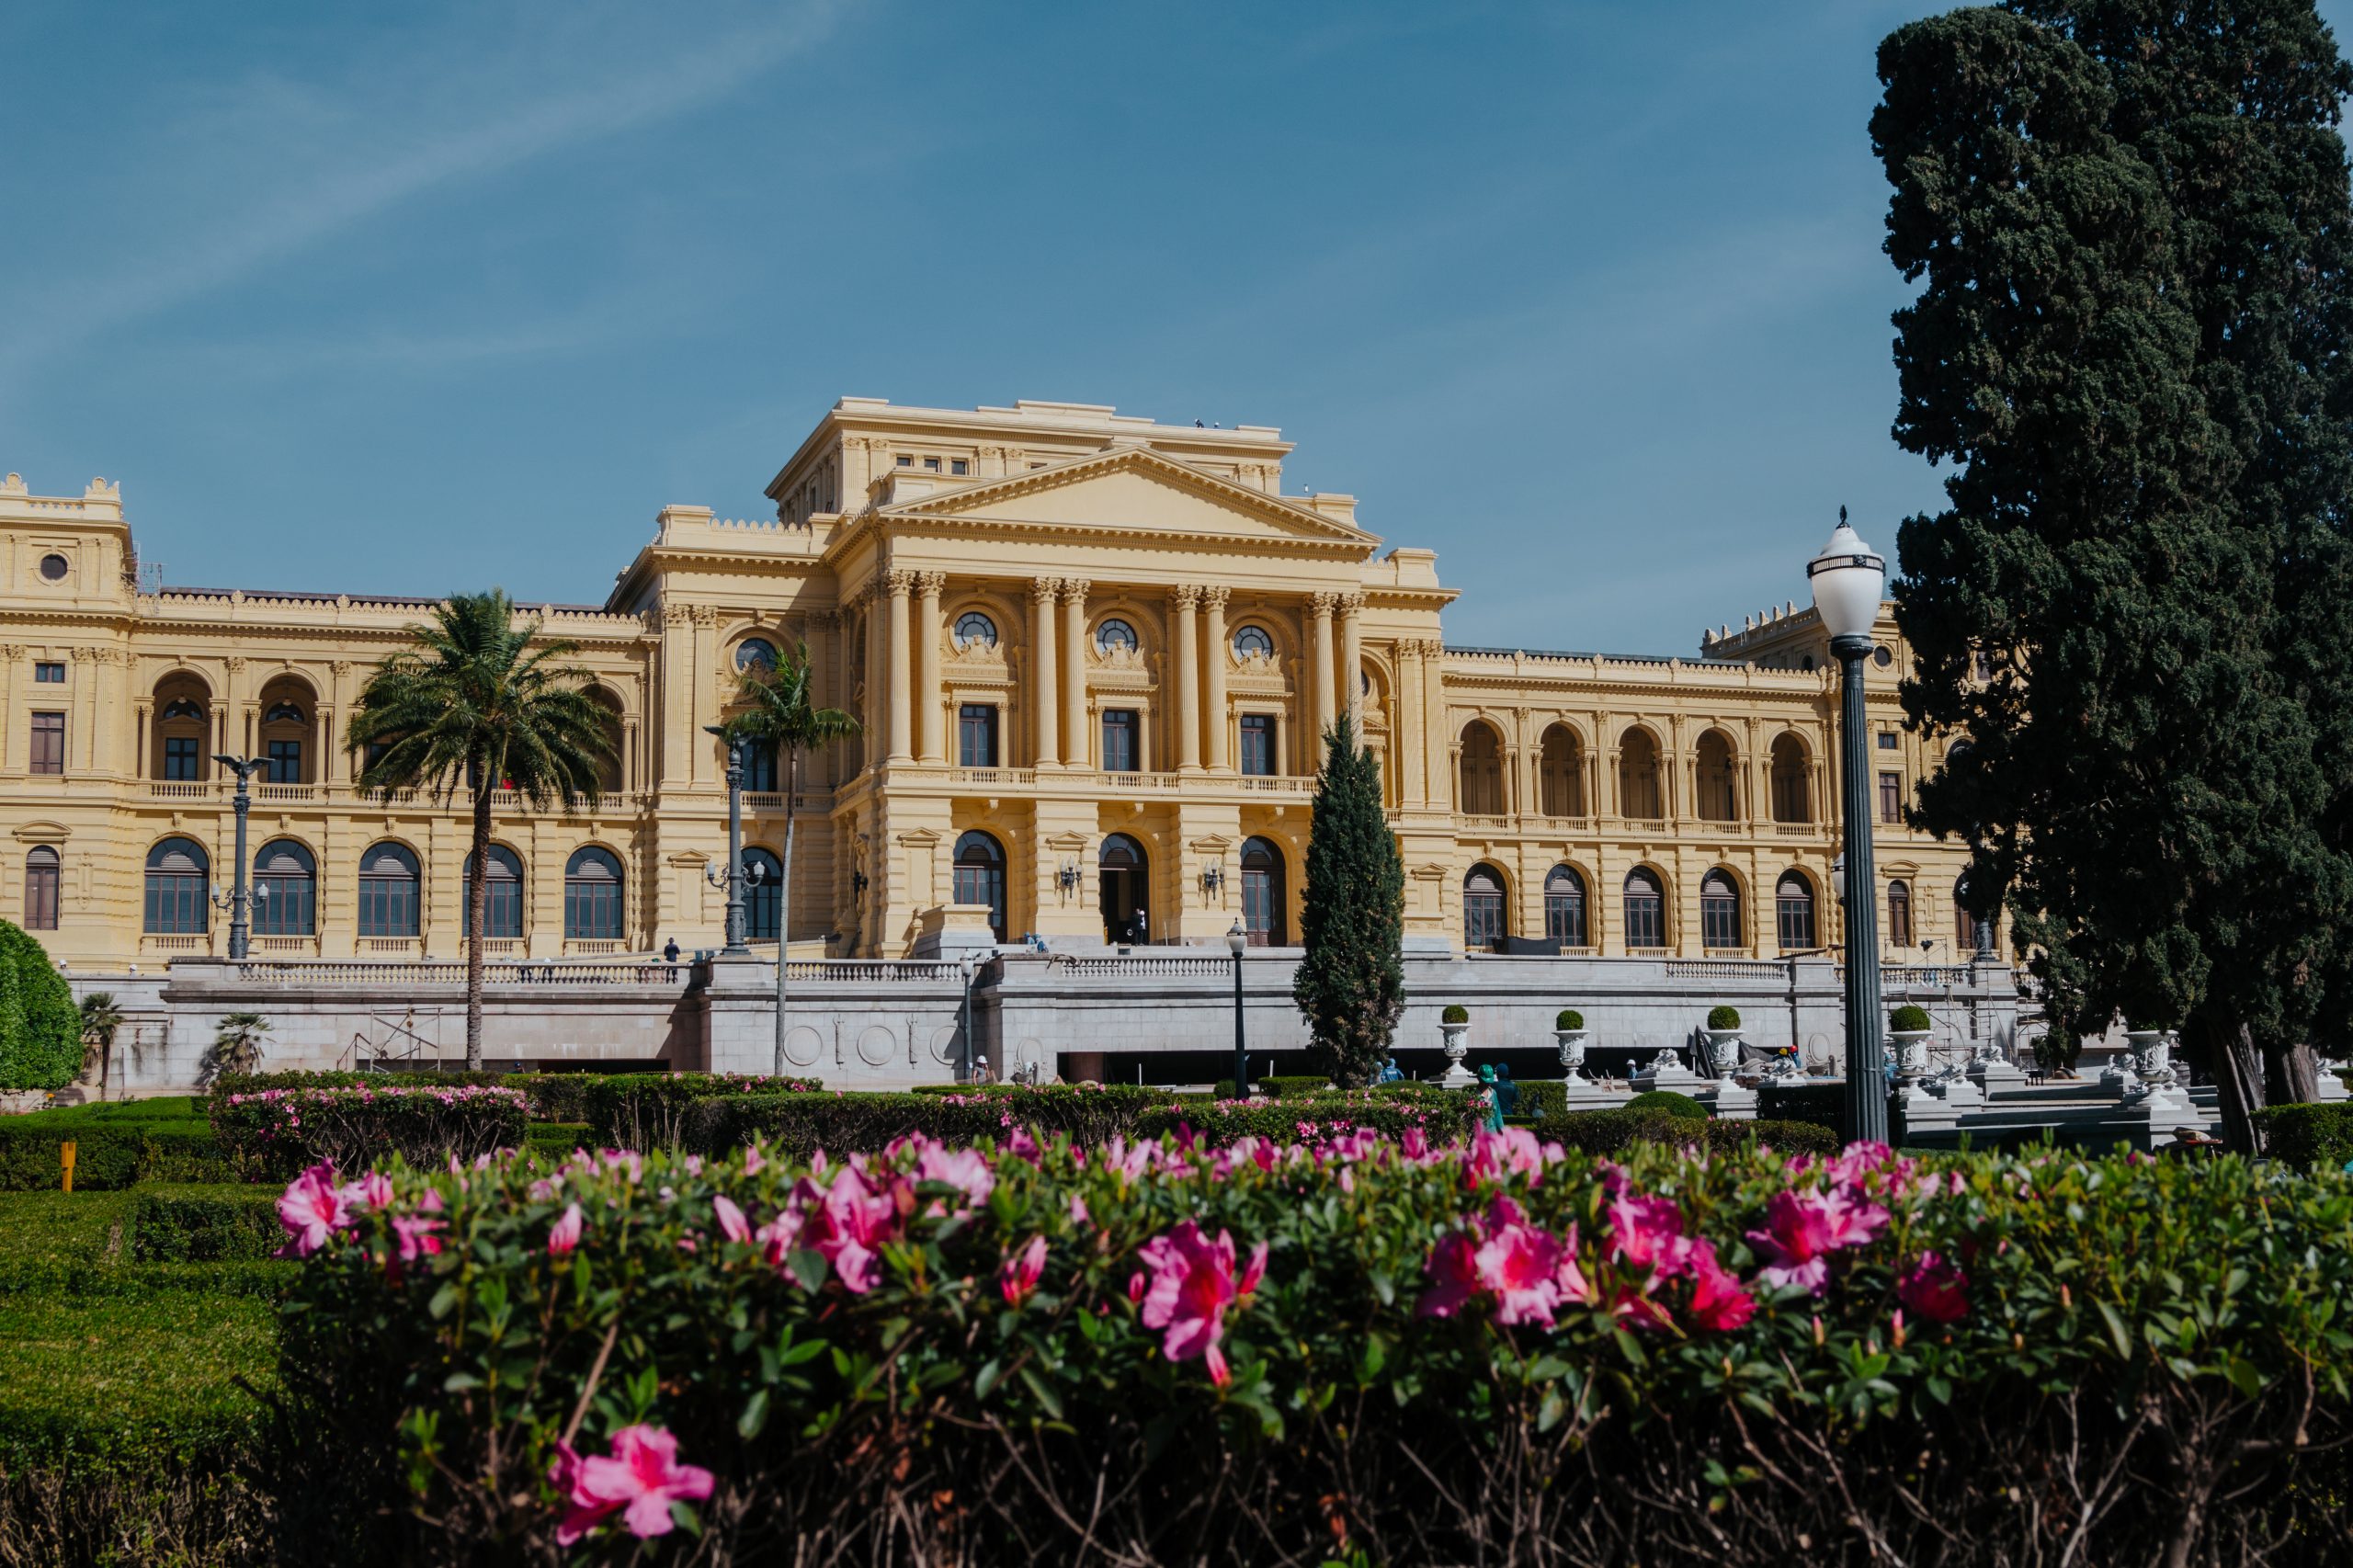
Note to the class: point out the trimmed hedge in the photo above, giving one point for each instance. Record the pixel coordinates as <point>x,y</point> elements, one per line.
<point>1614,1132</point>
<point>650,1110</point>
<point>1216,1123</point>
<point>920,1358</point>
<point>187,1224</point>
<point>554,1097</point>
<point>796,1126</point>
<point>1541,1098</point>
<point>1818,1101</point>
<point>108,1156</point>
<point>2314,1137</point>
<point>1666,1102</point>
<point>281,1131</point>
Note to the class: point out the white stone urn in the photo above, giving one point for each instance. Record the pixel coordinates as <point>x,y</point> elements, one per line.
<point>1911,1048</point>
<point>1456,1038</point>
<point>1571,1044</point>
<point>1724,1052</point>
<point>2152,1053</point>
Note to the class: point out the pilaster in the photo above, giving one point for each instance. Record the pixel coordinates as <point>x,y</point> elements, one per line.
<point>932,745</point>
<point>898,585</point>
<point>1352,672</point>
<point>1214,602</point>
<point>1077,745</point>
<point>1320,607</point>
<point>1045,701</point>
<point>1183,602</point>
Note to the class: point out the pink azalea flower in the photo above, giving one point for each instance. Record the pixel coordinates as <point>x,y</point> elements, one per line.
<point>313,1208</point>
<point>1414,1144</point>
<point>1934,1289</point>
<point>564,1234</point>
<point>731,1223</point>
<point>416,1237</point>
<point>1192,1284</point>
<point>1136,1287</point>
<point>1513,1151</point>
<point>1018,1279</point>
<point>848,1223</point>
<point>373,1190</point>
<point>639,1481</point>
<point>1802,1229</point>
<point>1078,1214</point>
<point>1521,1265</point>
<point>967,1170</point>
<point>1022,1147</point>
<point>1718,1299</point>
<point>778,1236</point>
<point>753,1163</point>
<point>1645,1232</point>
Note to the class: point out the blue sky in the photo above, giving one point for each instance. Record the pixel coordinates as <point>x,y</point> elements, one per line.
<point>1588,298</point>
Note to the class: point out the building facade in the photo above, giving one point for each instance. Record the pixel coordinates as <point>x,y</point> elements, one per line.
<point>1091,656</point>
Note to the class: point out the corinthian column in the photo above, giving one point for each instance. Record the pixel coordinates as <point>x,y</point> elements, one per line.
<point>932,724</point>
<point>899,584</point>
<point>1352,660</point>
<point>1044,700</point>
<point>1183,600</point>
<point>1213,600</point>
<point>1320,654</point>
<point>1076,751</point>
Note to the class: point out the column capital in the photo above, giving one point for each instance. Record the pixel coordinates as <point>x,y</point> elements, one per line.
<point>1216,597</point>
<point>1185,596</point>
<point>1074,591</point>
<point>706,615</point>
<point>676,612</point>
<point>929,584</point>
<point>1350,604</point>
<point>1322,605</point>
<point>1042,590</point>
<point>899,583</point>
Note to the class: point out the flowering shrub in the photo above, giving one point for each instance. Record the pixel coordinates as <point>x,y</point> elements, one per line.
<point>650,1110</point>
<point>796,1127</point>
<point>1438,1115</point>
<point>285,1129</point>
<point>1320,1345</point>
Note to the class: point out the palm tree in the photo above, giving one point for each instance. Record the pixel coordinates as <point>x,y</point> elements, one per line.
<point>101,1017</point>
<point>780,714</point>
<point>236,1044</point>
<point>475,704</point>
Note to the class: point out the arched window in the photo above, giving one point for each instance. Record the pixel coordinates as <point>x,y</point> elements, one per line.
<point>41,888</point>
<point>1564,908</point>
<point>592,896</point>
<point>286,885</point>
<point>502,891</point>
<point>1718,796</point>
<point>1253,642</point>
<point>1793,912</point>
<point>283,712</point>
<point>1792,797</point>
<point>177,904</point>
<point>1124,887</point>
<point>975,630</point>
<point>1483,770</point>
<point>755,655</point>
<point>1898,914</point>
<point>980,877</point>
<point>1563,766</point>
<point>1483,908</point>
<point>1646,909</point>
<point>388,903</point>
<point>1115,634</point>
<point>1719,911</point>
<point>1639,796</point>
<point>762,895</point>
<point>1264,905</point>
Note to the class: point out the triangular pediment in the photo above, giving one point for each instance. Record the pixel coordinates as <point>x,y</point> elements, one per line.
<point>1137,490</point>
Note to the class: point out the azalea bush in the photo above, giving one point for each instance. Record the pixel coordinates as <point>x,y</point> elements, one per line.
<point>1348,1345</point>
<point>285,1129</point>
<point>652,1110</point>
<point>1436,1114</point>
<point>1612,1131</point>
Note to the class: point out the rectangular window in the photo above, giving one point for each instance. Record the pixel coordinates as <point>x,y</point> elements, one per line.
<point>48,742</point>
<point>906,459</point>
<point>958,465</point>
<point>1887,740</point>
<point>285,763</point>
<point>759,768</point>
<point>47,674</point>
<point>41,890</point>
<point>976,734</point>
<point>931,465</point>
<point>1890,797</point>
<point>1645,920</point>
<point>181,760</point>
<point>1258,744</point>
<point>1118,740</point>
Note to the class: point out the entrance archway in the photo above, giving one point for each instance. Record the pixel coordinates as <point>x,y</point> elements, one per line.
<point>1122,872</point>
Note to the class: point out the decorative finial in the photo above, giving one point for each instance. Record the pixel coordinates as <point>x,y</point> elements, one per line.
<point>1842,517</point>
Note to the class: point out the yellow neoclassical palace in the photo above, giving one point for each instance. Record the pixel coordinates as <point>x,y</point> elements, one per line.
<point>1092,654</point>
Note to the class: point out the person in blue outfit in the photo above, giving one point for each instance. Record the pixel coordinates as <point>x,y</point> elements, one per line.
<point>1495,1099</point>
<point>1389,1073</point>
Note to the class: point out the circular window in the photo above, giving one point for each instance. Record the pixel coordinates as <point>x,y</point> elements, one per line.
<point>54,567</point>
<point>1882,656</point>
<point>1252,642</point>
<point>755,653</point>
<point>1115,634</point>
<point>975,630</point>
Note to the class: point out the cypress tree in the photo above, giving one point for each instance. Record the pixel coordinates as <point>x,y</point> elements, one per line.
<point>41,1033</point>
<point>2130,221</point>
<point>1351,983</point>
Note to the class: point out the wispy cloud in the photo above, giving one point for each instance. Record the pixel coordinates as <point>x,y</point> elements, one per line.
<point>402,163</point>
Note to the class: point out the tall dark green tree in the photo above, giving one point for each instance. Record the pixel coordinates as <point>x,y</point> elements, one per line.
<point>479,701</point>
<point>1351,980</point>
<point>2129,222</point>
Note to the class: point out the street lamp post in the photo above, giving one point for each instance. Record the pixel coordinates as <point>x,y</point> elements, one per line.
<point>1235,941</point>
<point>732,877</point>
<point>1848,579</point>
<point>240,902</point>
